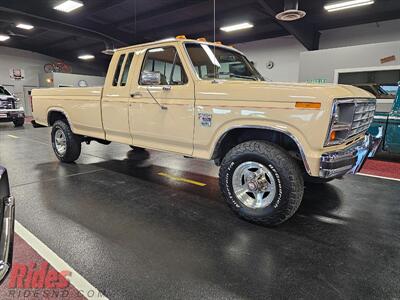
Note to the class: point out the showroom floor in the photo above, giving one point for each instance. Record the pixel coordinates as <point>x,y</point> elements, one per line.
<point>153,225</point>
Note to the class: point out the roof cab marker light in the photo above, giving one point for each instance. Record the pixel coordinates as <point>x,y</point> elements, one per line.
<point>202,39</point>
<point>181,37</point>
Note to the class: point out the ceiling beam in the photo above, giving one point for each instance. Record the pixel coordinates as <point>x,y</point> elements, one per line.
<point>177,8</point>
<point>304,32</point>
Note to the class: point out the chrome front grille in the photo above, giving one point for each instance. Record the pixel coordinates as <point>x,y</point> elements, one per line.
<point>6,104</point>
<point>363,116</point>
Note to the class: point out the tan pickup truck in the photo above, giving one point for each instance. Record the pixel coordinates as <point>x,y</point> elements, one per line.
<point>207,101</point>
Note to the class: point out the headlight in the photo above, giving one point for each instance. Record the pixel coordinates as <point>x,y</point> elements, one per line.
<point>341,120</point>
<point>17,103</point>
<point>349,118</point>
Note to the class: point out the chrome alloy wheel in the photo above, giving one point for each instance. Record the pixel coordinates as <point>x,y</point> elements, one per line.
<point>254,185</point>
<point>60,141</point>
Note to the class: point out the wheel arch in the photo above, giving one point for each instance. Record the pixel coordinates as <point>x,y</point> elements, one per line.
<point>239,134</point>
<point>54,114</point>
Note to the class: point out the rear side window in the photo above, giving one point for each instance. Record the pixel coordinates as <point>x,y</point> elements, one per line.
<point>118,70</point>
<point>126,69</point>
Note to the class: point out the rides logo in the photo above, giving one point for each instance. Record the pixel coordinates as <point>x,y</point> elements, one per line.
<point>37,277</point>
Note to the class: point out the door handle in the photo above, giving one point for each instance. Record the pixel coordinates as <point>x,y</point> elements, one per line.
<point>136,94</point>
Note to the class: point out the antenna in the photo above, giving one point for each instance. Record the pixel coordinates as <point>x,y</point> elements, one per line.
<point>215,67</point>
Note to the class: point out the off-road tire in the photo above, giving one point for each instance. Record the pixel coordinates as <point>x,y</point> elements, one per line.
<point>287,173</point>
<point>73,142</point>
<point>134,148</point>
<point>316,180</point>
<point>19,122</point>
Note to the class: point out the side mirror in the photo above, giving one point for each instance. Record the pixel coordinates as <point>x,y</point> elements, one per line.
<point>150,78</point>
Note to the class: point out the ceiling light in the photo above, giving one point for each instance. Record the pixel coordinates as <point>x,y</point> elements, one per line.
<point>237,27</point>
<point>25,26</point>
<point>347,4</point>
<point>3,37</point>
<point>86,56</point>
<point>68,6</point>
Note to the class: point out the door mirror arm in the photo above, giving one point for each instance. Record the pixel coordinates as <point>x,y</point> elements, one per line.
<point>154,98</point>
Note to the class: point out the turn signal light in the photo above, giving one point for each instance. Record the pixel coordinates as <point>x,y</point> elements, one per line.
<point>308,105</point>
<point>332,137</point>
<point>181,37</point>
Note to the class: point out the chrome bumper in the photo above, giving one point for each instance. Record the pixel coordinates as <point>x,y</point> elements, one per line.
<point>349,160</point>
<point>12,113</point>
<point>7,225</point>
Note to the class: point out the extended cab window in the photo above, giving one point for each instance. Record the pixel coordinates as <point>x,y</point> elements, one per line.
<point>212,62</point>
<point>118,69</point>
<point>167,62</point>
<point>126,69</point>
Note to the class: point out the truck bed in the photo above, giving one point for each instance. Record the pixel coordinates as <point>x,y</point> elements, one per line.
<point>81,106</point>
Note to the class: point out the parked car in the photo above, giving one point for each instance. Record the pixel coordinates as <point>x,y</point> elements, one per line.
<point>388,123</point>
<point>207,101</point>
<point>10,108</point>
<point>6,225</point>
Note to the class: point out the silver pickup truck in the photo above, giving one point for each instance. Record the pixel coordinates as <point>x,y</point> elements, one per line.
<point>10,108</point>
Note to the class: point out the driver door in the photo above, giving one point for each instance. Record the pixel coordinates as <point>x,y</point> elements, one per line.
<point>162,115</point>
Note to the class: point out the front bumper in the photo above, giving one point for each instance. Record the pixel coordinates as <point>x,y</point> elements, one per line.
<point>9,115</point>
<point>7,214</point>
<point>350,160</point>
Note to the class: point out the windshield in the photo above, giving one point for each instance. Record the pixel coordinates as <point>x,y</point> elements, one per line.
<point>382,91</point>
<point>221,63</point>
<point>3,91</point>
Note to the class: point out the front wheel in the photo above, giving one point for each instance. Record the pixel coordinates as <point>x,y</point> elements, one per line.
<point>316,180</point>
<point>261,182</point>
<point>66,145</point>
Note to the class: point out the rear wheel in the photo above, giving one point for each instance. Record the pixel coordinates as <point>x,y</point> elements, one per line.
<point>136,148</point>
<point>19,122</point>
<point>66,145</point>
<point>261,182</point>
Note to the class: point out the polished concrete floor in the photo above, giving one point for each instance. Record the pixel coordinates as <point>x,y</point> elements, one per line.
<point>135,234</point>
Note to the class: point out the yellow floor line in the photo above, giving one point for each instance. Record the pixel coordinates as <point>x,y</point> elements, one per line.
<point>13,136</point>
<point>182,179</point>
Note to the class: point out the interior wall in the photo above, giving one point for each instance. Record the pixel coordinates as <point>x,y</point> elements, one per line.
<point>371,33</point>
<point>32,64</point>
<point>286,52</point>
<point>321,64</point>
<point>73,80</point>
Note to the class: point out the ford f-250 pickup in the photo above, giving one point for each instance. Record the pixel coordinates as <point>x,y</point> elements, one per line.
<point>207,101</point>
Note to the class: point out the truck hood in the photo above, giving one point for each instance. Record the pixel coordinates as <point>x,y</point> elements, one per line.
<point>6,97</point>
<point>281,91</point>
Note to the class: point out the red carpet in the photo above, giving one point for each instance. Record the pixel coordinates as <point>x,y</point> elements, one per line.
<point>31,277</point>
<point>381,168</point>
